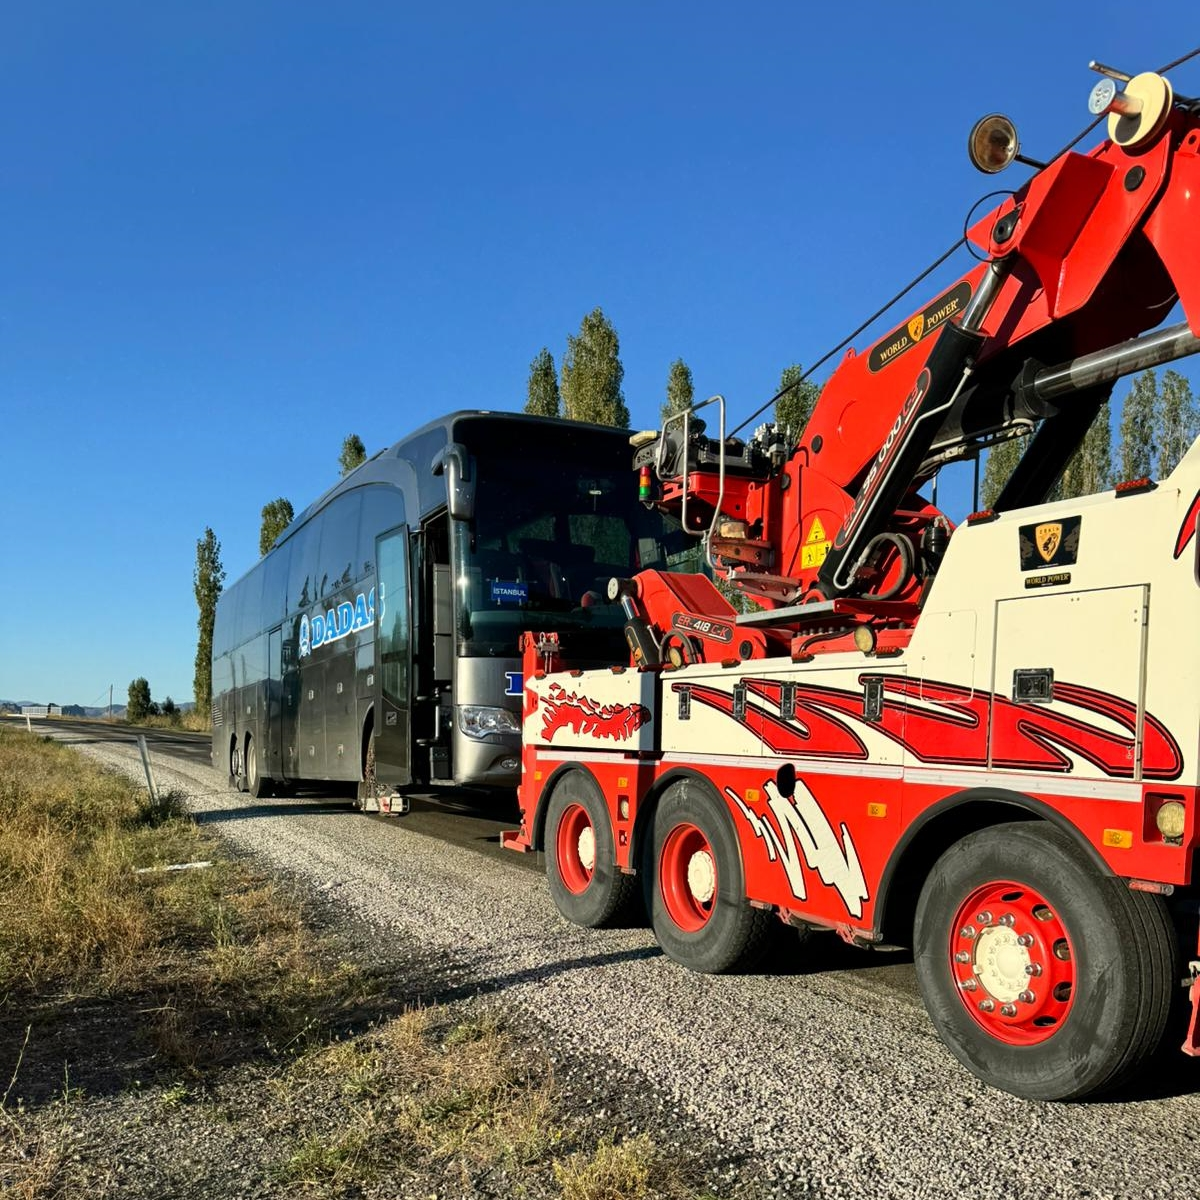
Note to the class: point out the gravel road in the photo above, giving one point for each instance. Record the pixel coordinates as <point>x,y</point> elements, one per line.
<point>823,1076</point>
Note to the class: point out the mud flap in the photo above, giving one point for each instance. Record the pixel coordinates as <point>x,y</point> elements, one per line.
<point>1191,1043</point>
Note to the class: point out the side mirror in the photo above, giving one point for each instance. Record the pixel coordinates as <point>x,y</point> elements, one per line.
<point>455,463</point>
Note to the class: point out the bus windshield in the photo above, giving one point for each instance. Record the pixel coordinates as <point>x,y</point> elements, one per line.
<point>553,523</point>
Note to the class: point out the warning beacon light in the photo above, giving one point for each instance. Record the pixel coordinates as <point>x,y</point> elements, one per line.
<point>644,487</point>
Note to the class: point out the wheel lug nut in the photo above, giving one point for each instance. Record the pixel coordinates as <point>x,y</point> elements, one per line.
<point>984,918</point>
<point>1025,939</point>
<point>1027,997</point>
<point>963,956</point>
<point>1033,969</point>
<point>1008,920</point>
<point>967,931</point>
<point>986,1005</point>
<point>1008,1010</point>
<point>969,985</point>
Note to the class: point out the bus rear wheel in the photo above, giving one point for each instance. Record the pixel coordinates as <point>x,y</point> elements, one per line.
<point>235,765</point>
<point>257,784</point>
<point>1043,977</point>
<point>696,892</point>
<point>586,884</point>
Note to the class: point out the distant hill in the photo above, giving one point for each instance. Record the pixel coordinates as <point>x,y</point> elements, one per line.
<point>76,710</point>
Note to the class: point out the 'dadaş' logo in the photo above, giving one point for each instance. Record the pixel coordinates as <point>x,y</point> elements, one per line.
<point>337,623</point>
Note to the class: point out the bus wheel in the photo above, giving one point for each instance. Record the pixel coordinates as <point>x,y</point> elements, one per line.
<point>256,783</point>
<point>586,884</point>
<point>235,766</point>
<point>1043,977</point>
<point>696,892</point>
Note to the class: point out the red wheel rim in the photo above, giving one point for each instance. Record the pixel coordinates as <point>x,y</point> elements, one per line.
<point>1012,963</point>
<point>687,877</point>
<point>575,847</point>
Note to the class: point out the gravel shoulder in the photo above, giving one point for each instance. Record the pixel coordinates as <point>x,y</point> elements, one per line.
<point>821,1076</point>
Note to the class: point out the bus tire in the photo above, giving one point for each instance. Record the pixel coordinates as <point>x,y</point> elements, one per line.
<point>257,784</point>
<point>1043,977</point>
<point>587,886</point>
<point>695,887</point>
<point>235,765</point>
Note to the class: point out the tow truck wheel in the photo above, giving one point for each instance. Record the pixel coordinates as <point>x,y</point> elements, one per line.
<point>1043,976</point>
<point>696,893</point>
<point>256,784</point>
<point>581,864</point>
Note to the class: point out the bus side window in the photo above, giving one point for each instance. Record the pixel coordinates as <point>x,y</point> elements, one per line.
<point>302,569</point>
<point>383,508</point>
<point>339,543</point>
<point>275,585</point>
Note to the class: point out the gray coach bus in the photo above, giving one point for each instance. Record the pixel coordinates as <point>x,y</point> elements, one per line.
<point>377,641</point>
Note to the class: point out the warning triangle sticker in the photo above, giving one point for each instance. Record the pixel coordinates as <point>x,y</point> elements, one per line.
<point>816,532</point>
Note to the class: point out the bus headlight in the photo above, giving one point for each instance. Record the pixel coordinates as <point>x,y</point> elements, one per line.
<point>478,721</point>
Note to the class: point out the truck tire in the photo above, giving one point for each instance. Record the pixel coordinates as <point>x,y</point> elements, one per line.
<point>1043,977</point>
<point>695,888</point>
<point>257,784</point>
<point>586,884</point>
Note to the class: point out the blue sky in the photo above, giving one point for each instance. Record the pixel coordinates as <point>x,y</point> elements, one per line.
<point>233,233</point>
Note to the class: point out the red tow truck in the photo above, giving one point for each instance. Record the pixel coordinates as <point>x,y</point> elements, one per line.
<point>981,742</point>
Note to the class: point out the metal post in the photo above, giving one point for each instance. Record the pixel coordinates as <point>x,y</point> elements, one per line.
<point>141,740</point>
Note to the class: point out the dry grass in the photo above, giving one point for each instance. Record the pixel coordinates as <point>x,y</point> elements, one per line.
<point>208,957</point>
<point>420,1090</point>
<point>202,970</point>
<point>461,1106</point>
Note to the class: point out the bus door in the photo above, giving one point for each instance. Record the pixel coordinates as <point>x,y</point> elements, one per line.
<point>393,659</point>
<point>273,729</point>
<point>433,661</point>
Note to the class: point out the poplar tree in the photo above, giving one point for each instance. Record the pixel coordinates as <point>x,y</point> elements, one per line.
<point>1001,459</point>
<point>543,398</point>
<point>592,374</point>
<point>1135,447</point>
<point>207,580</point>
<point>276,517</point>
<point>353,454</point>
<point>1177,421</point>
<point>795,406</point>
<point>681,393</point>
<point>1090,468</point>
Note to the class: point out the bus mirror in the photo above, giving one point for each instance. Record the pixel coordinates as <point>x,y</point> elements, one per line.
<point>455,463</point>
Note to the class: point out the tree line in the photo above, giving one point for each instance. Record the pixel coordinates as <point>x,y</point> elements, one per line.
<point>1159,421</point>
<point>588,385</point>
